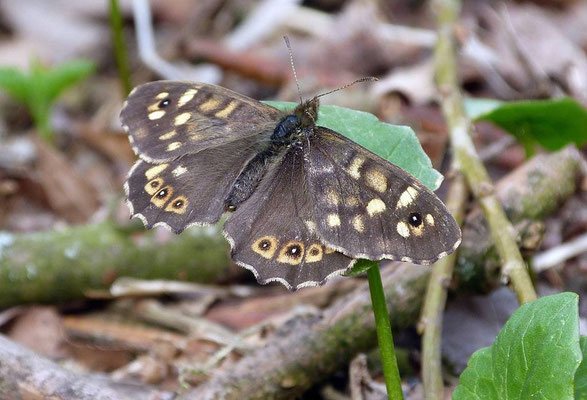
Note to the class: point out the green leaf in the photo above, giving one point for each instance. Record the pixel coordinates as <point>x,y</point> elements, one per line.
<point>360,267</point>
<point>581,374</point>
<point>15,83</point>
<point>41,86</point>
<point>534,356</point>
<point>65,75</point>
<point>550,123</point>
<point>397,144</point>
<point>475,106</point>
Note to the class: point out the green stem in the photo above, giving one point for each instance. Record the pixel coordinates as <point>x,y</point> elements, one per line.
<point>120,48</point>
<point>388,360</point>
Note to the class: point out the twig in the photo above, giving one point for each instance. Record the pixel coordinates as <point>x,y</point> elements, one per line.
<point>436,293</point>
<point>529,193</point>
<point>559,254</point>
<point>467,159</point>
<point>153,312</point>
<point>146,43</point>
<point>260,23</point>
<point>82,260</point>
<point>127,286</point>
<point>25,376</point>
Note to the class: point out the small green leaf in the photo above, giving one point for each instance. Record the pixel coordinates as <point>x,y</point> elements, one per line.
<point>65,75</point>
<point>41,86</point>
<point>476,107</point>
<point>360,267</point>
<point>550,123</point>
<point>15,83</point>
<point>397,144</point>
<point>534,356</point>
<point>581,374</point>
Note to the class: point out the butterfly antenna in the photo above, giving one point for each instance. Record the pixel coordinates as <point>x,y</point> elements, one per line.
<point>291,60</point>
<point>367,78</point>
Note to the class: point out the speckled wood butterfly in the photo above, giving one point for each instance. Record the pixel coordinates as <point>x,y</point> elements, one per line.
<point>305,201</point>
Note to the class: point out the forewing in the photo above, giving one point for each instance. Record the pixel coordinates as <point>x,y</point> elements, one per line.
<point>369,208</point>
<point>188,190</point>
<point>168,119</point>
<point>273,232</point>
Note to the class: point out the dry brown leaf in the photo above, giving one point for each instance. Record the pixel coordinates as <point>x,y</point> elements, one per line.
<point>67,192</point>
<point>40,329</point>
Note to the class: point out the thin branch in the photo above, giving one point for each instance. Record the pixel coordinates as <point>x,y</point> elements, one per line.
<point>148,53</point>
<point>26,376</point>
<point>436,293</point>
<point>559,254</point>
<point>466,157</point>
<point>85,260</point>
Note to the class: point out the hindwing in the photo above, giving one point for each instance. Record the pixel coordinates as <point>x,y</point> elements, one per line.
<point>169,119</point>
<point>274,235</point>
<point>188,190</point>
<point>369,208</point>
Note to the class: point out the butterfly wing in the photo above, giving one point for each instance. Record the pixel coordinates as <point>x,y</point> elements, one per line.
<point>188,190</point>
<point>369,208</point>
<point>273,232</point>
<point>168,119</point>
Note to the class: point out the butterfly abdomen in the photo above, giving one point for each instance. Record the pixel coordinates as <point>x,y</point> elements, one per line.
<point>249,178</point>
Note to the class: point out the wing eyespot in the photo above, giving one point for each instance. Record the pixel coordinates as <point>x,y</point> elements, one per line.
<point>415,219</point>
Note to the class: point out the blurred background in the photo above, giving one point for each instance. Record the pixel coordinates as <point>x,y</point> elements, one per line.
<point>183,312</point>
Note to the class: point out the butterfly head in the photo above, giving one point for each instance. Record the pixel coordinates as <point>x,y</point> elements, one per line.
<point>307,112</point>
<point>296,125</point>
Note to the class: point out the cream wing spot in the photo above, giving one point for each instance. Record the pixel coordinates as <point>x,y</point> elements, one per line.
<point>155,170</point>
<point>182,118</point>
<point>311,225</point>
<point>403,229</point>
<point>332,198</point>
<point>407,197</point>
<point>209,105</point>
<point>376,180</point>
<point>162,95</point>
<point>173,146</point>
<point>333,220</point>
<point>186,97</point>
<point>354,170</point>
<point>351,201</point>
<point>156,115</point>
<point>430,219</point>
<point>358,223</point>
<point>227,110</point>
<point>168,135</point>
<point>179,170</point>
<point>375,206</point>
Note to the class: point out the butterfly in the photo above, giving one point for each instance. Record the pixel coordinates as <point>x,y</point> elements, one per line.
<point>305,202</point>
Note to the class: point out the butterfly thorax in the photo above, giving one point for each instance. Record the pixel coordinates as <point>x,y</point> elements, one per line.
<point>290,131</point>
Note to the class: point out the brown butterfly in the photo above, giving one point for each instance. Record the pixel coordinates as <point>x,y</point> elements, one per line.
<point>305,201</point>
